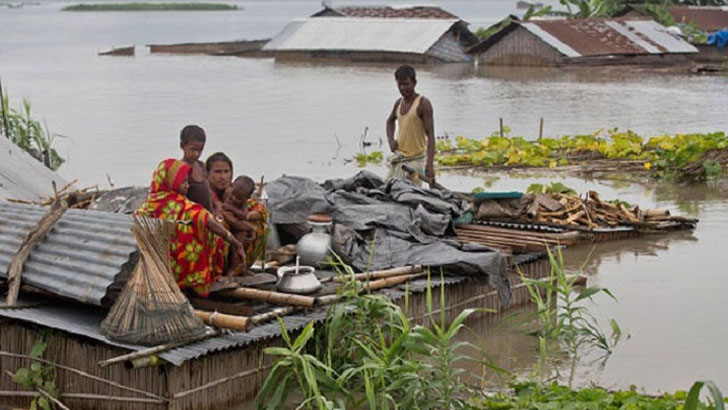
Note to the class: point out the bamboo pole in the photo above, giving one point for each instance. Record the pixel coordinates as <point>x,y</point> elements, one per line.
<point>6,125</point>
<point>156,349</point>
<point>403,270</point>
<point>500,121</point>
<point>223,321</point>
<point>276,298</point>
<point>264,317</point>
<point>222,307</point>
<point>87,396</point>
<point>374,285</point>
<point>80,373</point>
<point>540,129</point>
<point>36,235</point>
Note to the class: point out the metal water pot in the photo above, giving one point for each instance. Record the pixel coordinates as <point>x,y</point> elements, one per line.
<point>297,279</point>
<point>314,247</point>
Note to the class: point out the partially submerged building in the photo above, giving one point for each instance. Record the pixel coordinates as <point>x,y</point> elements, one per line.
<point>585,41</point>
<point>418,34</point>
<point>394,11</point>
<point>706,18</point>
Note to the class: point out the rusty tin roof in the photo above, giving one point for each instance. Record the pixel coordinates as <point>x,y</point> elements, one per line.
<point>597,37</point>
<point>707,18</point>
<point>409,12</point>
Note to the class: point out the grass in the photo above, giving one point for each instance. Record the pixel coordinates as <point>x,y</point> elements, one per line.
<point>29,134</point>
<point>151,7</point>
<point>368,355</point>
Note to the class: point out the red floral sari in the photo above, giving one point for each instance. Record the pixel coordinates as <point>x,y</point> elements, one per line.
<point>197,255</point>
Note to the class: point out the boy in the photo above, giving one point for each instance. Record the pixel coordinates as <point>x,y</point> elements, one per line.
<point>246,218</point>
<point>192,141</point>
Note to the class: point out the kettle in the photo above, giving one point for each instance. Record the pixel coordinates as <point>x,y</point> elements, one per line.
<point>297,279</point>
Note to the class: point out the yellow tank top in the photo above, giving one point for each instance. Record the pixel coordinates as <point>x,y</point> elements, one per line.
<point>411,135</point>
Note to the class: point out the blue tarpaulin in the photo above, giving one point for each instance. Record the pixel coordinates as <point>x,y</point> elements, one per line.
<point>719,38</point>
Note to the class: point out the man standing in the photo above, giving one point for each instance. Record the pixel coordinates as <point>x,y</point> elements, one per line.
<point>415,143</point>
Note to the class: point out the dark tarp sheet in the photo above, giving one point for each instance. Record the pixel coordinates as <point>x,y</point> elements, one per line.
<point>381,225</point>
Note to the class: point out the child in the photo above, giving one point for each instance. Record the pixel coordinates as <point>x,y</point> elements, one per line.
<point>192,141</point>
<point>246,218</point>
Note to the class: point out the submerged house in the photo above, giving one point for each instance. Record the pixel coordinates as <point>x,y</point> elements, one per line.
<point>587,41</point>
<point>412,12</point>
<point>706,18</point>
<point>416,34</point>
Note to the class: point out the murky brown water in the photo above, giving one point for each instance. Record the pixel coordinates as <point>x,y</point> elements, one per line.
<point>670,290</point>
<point>124,114</point>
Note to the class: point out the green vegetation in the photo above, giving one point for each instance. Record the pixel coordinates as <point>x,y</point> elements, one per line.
<point>151,7</point>
<point>368,354</point>
<point>28,133</point>
<point>363,159</point>
<point>553,188</point>
<point>38,377</point>
<point>690,157</point>
<point>531,395</point>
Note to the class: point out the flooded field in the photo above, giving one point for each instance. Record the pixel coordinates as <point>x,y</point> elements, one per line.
<point>122,115</point>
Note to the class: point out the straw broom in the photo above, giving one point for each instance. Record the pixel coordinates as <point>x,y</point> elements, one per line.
<point>151,308</point>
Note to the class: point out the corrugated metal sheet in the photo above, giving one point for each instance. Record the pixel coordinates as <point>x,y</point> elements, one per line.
<point>360,34</point>
<point>85,253</point>
<point>24,177</point>
<point>707,18</point>
<point>595,37</point>
<point>409,12</point>
<point>85,321</point>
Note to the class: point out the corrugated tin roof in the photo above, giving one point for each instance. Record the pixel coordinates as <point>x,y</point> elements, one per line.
<point>595,37</point>
<point>24,177</point>
<point>85,321</point>
<point>84,254</point>
<point>403,11</point>
<point>360,34</point>
<point>707,18</point>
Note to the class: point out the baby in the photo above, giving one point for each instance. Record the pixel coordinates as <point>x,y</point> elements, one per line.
<point>236,214</point>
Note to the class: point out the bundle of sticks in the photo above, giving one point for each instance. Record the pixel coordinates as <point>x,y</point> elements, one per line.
<point>593,213</point>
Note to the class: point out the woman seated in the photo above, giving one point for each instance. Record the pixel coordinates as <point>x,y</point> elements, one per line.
<point>239,211</point>
<point>198,251</point>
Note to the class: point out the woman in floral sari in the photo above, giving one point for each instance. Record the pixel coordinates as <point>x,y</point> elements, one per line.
<point>198,251</point>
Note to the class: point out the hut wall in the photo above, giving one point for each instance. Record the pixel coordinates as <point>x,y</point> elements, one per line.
<point>449,49</point>
<point>640,59</point>
<point>710,54</point>
<point>81,354</point>
<point>520,48</point>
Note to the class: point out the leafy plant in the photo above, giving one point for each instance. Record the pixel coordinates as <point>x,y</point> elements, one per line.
<point>28,134</point>
<point>362,159</point>
<point>553,188</point>
<point>38,377</point>
<point>564,320</point>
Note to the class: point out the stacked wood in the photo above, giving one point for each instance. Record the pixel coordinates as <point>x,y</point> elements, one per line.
<point>591,212</point>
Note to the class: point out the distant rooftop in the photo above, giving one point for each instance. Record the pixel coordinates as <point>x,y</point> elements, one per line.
<point>398,11</point>
<point>707,18</point>
<point>598,37</point>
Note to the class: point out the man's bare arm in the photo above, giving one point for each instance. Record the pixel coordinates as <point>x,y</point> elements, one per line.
<point>427,115</point>
<point>391,121</point>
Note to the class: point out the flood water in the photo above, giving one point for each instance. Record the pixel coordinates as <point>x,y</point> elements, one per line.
<point>122,115</point>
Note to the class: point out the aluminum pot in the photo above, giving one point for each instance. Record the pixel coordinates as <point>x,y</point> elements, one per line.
<point>315,247</point>
<point>297,279</point>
